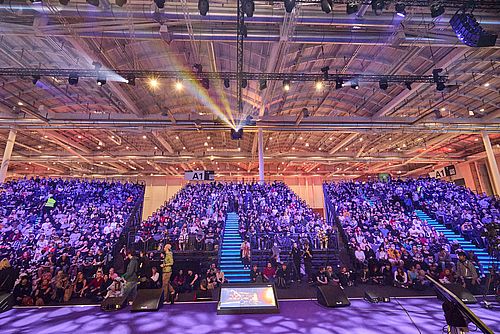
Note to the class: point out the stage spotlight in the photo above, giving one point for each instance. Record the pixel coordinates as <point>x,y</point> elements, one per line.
<point>286,85</point>
<point>378,6</point>
<point>130,80</point>
<point>101,81</point>
<point>226,83</point>
<point>62,2</point>
<point>262,84</point>
<point>178,85</point>
<point>339,83</point>
<point>470,32</point>
<point>319,84</point>
<point>354,84</point>
<point>326,6</point>
<point>94,3</point>
<point>400,9</point>
<point>153,83</point>
<point>437,10</point>
<point>121,3</point>
<point>352,8</point>
<point>289,5</point>
<point>236,134</point>
<point>383,84</point>
<point>249,7</point>
<point>440,86</point>
<point>35,79</point>
<point>471,113</point>
<point>203,7</point>
<point>160,3</point>
<point>73,79</point>
<point>408,85</point>
<point>244,83</point>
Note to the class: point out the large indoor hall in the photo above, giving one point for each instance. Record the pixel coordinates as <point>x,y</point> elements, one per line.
<point>249,166</point>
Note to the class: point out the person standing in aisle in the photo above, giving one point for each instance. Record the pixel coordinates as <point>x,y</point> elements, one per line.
<point>296,256</point>
<point>168,262</point>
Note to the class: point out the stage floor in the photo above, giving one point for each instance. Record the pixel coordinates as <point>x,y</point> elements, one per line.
<point>304,316</point>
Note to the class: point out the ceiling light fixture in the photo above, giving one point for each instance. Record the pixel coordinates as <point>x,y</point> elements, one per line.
<point>286,85</point>
<point>203,7</point>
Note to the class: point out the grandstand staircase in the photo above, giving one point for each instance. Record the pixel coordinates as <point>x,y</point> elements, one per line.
<point>484,258</point>
<point>230,260</point>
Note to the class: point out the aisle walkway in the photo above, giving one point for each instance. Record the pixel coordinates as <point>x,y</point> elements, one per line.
<point>230,260</point>
<point>482,255</point>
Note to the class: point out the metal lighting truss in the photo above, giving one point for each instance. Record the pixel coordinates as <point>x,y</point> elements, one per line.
<point>190,76</point>
<point>479,4</point>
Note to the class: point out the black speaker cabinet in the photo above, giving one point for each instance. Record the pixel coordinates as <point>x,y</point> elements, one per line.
<point>114,303</point>
<point>463,294</point>
<point>147,300</point>
<point>6,301</point>
<point>332,296</point>
<point>376,296</point>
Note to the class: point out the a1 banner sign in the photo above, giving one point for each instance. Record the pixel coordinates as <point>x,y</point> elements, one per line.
<point>204,175</point>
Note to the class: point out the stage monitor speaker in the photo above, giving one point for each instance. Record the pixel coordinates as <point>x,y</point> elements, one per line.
<point>332,296</point>
<point>376,296</point>
<point>114,303</point>
<point>6,301</point>
<point>147,300</point>
<point>463,294</point>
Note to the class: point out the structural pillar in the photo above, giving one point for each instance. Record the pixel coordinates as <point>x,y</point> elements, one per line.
<point>261,155</point>
<point>492,164</point>
<point>6,154</point>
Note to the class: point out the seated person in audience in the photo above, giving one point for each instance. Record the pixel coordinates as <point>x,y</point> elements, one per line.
<point>345,277</point>
<point>192,281</point>
<point>80,286</point>
<point>255,275</point>
<point>103,290</point>
<point>43,293</point>
<point>178,283</point>
<point>446,276</point>
<point>94,287</point>
<point>376,274</point>
<point>22,291</point>
<point>60,283</point>
<point>331,276</point>
<point>220,278</point>
<point>116,289</point>
<point>401,278</point>
<point>321,277</point>
<point>112,274</point>
<point>283,276</point>
<point>154,279</point>
<point>269,273</point>
<point>360,257</point>
<point>387,274</point>
<point>364,276</point>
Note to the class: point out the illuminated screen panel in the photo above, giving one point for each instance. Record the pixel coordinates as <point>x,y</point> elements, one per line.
<point>247,298</point>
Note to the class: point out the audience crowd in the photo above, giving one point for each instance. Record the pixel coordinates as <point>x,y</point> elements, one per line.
<point>58,235</point>
<point>385,235</point>
<point>269,214</point>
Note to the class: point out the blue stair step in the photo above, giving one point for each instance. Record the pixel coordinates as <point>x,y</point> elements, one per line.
<point>230,261</point>
<point>482,255</point>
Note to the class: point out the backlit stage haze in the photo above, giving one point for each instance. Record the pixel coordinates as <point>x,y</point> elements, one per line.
<point>304,316</point>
